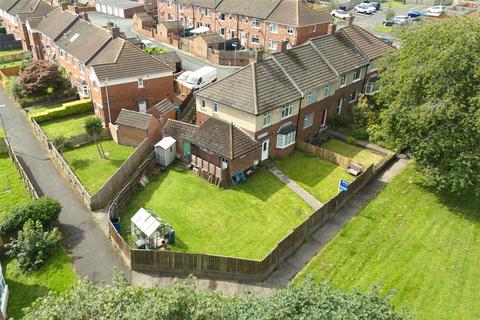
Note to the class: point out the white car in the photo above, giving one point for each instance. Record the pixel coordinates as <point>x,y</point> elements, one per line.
<point>435,11</point>
<point>364,8</point>
<point>341,14</point>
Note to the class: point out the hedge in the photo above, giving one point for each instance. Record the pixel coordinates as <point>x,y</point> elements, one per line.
<point>66,109</point>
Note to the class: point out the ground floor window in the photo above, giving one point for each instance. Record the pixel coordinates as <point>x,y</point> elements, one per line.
<point>285,140</point>
<point>308,121</point>
<point>371,88</point>
<point>255,39</point>
<point>353,96</point>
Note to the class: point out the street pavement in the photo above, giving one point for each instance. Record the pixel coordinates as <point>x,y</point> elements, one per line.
<point>189,62</point>
<point>92,254</point>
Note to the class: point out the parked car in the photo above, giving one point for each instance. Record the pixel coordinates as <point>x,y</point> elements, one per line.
<point>401,20</point>
<point>148,44</point>
<point>341,14</point>
<point>388,22</point>
<point>199,78</point>
<point>376,5</point>
<point>386,39</point>
<point>415,14</point>
<point>435,11</point>
<point>364,8</point>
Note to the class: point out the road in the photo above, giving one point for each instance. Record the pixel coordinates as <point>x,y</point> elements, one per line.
<point>189,62</point>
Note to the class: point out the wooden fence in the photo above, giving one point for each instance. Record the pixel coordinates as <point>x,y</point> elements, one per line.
<point>205,265</point>
<point>116,182</point>
<point>325,153</point>
<point>39,133</point>
<point>26,180</point>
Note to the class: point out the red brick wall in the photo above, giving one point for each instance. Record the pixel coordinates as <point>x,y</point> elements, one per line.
<point>306,33</point>
<point>244,163</point>
<point>128,13</point>
<point>129,136</point>
<point>272,136</point>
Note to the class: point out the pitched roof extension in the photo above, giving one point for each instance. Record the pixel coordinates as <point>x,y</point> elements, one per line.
<point>56,22</point>
<point>296,13</point>
<point>134,119</point>
<point>164,106</point>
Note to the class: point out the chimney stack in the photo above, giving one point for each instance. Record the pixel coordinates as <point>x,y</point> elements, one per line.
<point>63,5</point>
<point>259,55</point>
<point>284,46</point>
<point>115,31</point>
<point>84,16</point>
<point>76,9</point>
<point>332,28</point>
<point>350,21</point>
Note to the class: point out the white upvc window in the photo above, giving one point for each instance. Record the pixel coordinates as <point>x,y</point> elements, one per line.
<point>208,12</point>
<point>170,3</point>
<point>273,45</point>
<point>203,104</point>
<point>267,119</point>
<point>255,39</point>
<point>256,23</point>
<point>373,65</point>
<point>170,17</point>
<point>343,79</point>
<point>215,107</point>
<point>81,66</point>
<point>353,96</point>
<point>308,120</point>
<point>274,28</point>
<point>357,74</point>
<point>371,88</point>
<point>85,91</point>
<point>312,96</point>
<point>285,140</point>
<point>327,91</point>
<point>221,16</point>
<point>222,32</point>
<point>287,110</point>
<point>290,30</point>
<point>140,83</point>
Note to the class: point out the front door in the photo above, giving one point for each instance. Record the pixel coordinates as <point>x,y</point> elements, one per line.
<point>243,39</point>
<point>265,145</point>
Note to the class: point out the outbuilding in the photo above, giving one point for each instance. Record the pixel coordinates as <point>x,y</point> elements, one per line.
<point>150,232</point>
<point>165,151</point>
<point>119,8</point>
<point>133,127</point>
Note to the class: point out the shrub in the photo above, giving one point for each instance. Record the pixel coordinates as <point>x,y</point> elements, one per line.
<point>350,140</point>
<point>14,88</point>
<point>154,50</point>
<point>66,109</point>
<point>38,76</point>
<point>45,210</point>
<point>338,121</point>
<point>361,134</point>
<point>62,143</point>
<point>33,246</point>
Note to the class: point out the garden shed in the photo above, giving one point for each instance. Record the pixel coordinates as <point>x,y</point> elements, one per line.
<point>150,232</point>
<point>165,151</point>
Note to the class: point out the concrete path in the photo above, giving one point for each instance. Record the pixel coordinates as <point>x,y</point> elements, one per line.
<point>299,259</point>
<point>295,187</point>
<point>91,251</point>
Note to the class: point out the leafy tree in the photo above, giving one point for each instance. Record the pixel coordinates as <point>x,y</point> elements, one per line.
<point>40,79</point>
<point>45,210</point>
<point>333,5</point>
<point>93,127</point>
<point>14,88</point>
<point>389,12</point>
<point>63,143</point>
<point>154,50</point>
<point>33,246</point>
<point>430,89</point>
<point>306,300</point>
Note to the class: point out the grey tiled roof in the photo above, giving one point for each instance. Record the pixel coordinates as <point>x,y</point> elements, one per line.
<point>109,53</point>
<point>306,67</point>
<point>168,57</point>
<point>39,11</point>
<point>6,5</point>
<point>171,25</point>
<point>225,139</point>
<point>201,3</point>
<point>56,22</point>
<point>134,119</point>
<point>338,53</point>
<point>179,130</point>
<point>83,40</point>
<point>211,38</point>
<point>368,44</point>
<point>130,62</point>
<point>297,13</point>
<point>164,106</point>
<point>256,9</point>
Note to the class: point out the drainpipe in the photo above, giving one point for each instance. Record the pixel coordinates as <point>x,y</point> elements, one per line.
<point>108,101</point>
<point>298,117</point>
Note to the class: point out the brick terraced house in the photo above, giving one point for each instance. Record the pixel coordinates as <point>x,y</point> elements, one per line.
<point>289,96</point>
<point>114,73</point>
<point>258,24</point>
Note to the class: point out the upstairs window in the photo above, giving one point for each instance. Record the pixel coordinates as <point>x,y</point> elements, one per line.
<point>203,104</point>
<point>267,119</point>
<point>215,107</point>
<point>343,79</point>
<point>255,23</point>
<point>140,82</point>
<point>312,96</point>
<point>287,111</point>
<point>327,91</point>
<point>357,74</point>
<point>221,16</point>
<point>290,30</point>
<point>273,28</point>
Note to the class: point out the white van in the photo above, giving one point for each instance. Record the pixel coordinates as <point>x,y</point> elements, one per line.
<point>200,78</point>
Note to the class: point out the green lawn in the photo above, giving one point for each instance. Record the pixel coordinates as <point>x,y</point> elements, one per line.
<point>92,170</point>
<point>67,126</point>
<point>384,29</point>
<point>57,275</point>
<point>360,155</point>
<point>245,221</point>
<point>32,112</point>
<point>316,175</point>
<point>10,64</point>
<point>424,245</point>
<point>393,4</point>
<point>12,191</point>
<point>7,52</point>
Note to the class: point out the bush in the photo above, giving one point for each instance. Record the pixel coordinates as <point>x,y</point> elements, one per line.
<point>350,140</point>
<point>41,79</point>
<point>154,50</point>
<point>45,210</point>
<point>33,246</point>
<point>338,121</point>
<point>66,109</point>
<point>361,134</point>
<point>14,88</point>
<point>62,143</point>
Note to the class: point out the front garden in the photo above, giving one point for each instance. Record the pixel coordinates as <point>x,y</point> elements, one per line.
<point>245,221</point>
<point>68,126</point>
<point>423,244</point>
<point>91,169</point>
<point>357,154</point>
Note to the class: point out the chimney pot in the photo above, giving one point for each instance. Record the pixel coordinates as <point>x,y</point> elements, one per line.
<point>350,21</point>
<point>284,46</point>
<point>332,28</point>
<point>259,55</point>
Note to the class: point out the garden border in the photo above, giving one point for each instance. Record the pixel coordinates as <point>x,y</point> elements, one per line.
<point>223,267</point>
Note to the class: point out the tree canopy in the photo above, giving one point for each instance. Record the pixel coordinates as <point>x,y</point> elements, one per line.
<point>40,78</point>
<point>183,301</point>
<point>430,95</point>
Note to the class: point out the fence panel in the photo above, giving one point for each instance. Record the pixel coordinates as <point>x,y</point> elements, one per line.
<point>324,153</point>
<point>39,133</point>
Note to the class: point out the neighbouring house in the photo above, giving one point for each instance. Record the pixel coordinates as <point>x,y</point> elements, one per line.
<point>169,32</point>
<point>289,96</point>
<point>200,44</point>
<point>119,8</point>
<point>111,71</point>
<point>142,20</point>
<point>216,149</point>
<point>134,127</point>
<point>258,24</point>
<point>171,59</point>
<point>14,15</point>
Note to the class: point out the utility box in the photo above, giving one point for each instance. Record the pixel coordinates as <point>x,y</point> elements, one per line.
<point>165,151</point>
